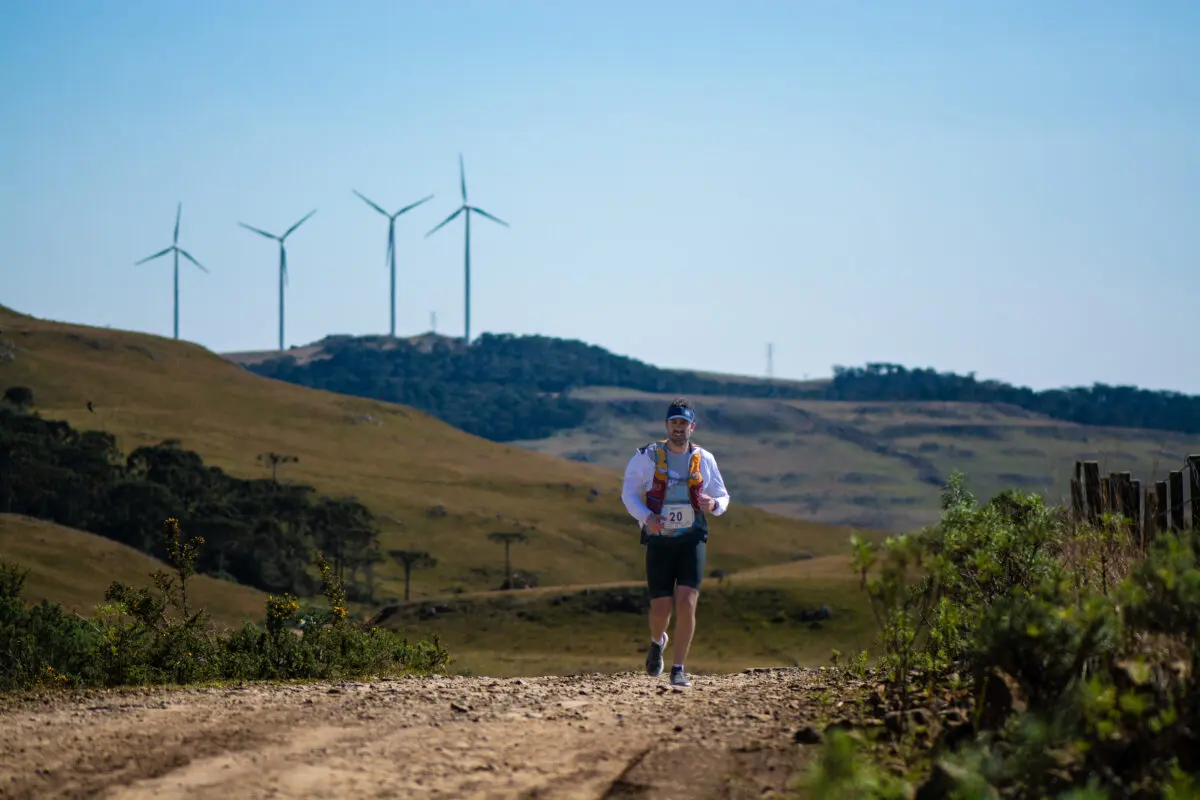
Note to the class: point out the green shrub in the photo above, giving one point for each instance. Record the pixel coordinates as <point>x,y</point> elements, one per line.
<point>42,644</point>
<point>1079,651</point>
<point>152,635</point>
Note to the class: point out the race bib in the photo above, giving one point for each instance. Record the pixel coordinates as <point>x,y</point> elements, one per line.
<point>677,517</point>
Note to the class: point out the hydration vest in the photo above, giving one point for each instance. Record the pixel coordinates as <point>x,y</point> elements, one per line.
<point>657,493</point>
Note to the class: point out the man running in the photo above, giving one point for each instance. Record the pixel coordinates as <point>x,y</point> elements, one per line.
<point>682,485</point>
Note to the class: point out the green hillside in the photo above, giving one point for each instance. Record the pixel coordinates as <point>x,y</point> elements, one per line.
<point>75,568</point>
<point>424,485</point>
<point>874,465</point>
<point>782,615</point>
<point>868,447</point>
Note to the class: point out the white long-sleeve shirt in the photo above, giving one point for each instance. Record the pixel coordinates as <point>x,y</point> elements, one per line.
<point>639,477</point>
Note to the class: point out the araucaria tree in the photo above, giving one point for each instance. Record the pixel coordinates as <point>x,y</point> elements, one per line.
<point>274,460</point>
<point>507,538</point>
<point>410,560</point>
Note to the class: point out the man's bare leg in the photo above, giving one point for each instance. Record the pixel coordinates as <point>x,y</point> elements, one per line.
<point>660,617</point>
<point>686,599</point>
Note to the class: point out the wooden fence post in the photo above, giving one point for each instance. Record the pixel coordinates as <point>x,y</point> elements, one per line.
<point>1175,499</point>
<point>1150,520</point>
<point>1077,506</point>
<point>1091,489</point>
<point>1118,497</point>
<point>1120,488</point>
<point>1135,513</point>
<point>1160,494</point>
<point>1194,468</point>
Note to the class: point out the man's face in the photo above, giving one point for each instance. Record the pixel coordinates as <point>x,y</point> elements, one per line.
<point>679,431</point>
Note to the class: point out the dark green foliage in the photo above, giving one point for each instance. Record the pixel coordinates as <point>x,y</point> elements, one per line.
<point>507,388</point>
<point>1102,405</point>
<point>502,387</point>
<point>260,532</point>
<point>19,397</point>
<point>42,642</point>
<point>149,635</point>
<point>1072,653</point>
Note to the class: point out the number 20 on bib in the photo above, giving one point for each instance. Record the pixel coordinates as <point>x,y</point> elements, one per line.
<point>677,517</point>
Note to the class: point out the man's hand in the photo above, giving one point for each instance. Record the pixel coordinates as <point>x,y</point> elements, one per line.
<point>654,523</point>
<point>707,503</point>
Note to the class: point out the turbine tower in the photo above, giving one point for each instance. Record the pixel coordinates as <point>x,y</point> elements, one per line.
<point>282,261</point>
<point>391,246</point>
<point>466,210</point>
<point>177,250</point>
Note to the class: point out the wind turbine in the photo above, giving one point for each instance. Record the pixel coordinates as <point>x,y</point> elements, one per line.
<point>177,250</point>
<point>465,207</point>
<point>391,246</point>
<point>282,261</point>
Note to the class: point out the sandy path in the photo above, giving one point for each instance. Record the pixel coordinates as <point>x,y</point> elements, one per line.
<point>588,737</point>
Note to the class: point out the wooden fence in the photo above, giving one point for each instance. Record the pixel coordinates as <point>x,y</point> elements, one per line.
<point>1158,507</point>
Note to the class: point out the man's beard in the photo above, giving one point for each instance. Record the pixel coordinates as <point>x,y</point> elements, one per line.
<point>679,438</point>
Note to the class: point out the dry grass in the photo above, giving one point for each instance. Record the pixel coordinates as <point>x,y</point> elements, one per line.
<point>400,462</point>
<point>403,463</point>
<point>75,568</point>
<point>872,464</point>
<point>749,619</point>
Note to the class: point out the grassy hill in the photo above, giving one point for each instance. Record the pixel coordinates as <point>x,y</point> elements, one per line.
<point>871,464</point>
<point>760,617</point>
<point>868,447</point>
<point>437,488</point>
<point>74,568</point>
<point>431,486</point>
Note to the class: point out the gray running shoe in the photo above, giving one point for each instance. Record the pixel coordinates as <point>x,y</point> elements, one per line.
<point>679,677</point>
<point>654,659</point>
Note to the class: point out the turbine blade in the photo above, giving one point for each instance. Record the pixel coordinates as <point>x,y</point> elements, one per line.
<point>489,216</point>
<point>446,220</point>
<point>156,255</point>
<point>261,233</point>
<point>462,177</point>
<point>411,206</point>
<point>298,224</point>
<point>178,213</point>
<point>188,256</point>
<point>371,204</point>
<point>283,263</point>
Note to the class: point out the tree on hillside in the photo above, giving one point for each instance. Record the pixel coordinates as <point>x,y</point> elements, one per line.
<point>507,538</point>
<point>20,397</point>
<point>275,460</point>
<point>410,560</point>
<point>509,388</point>
<point>1100,404</point>
<point>503,388</point>
<point>346,530</point>
<point>260,533</point>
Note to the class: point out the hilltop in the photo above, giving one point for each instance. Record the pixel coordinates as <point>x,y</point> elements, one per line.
<point>871,446</point>
<point>428,486</point>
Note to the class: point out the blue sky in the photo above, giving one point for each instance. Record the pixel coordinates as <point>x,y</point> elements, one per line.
<point>1010,188</point>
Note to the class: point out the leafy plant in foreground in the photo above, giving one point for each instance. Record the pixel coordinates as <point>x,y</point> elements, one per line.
<point>1082,653</point>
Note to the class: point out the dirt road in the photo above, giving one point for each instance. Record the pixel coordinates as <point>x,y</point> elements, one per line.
<point>600,736</point>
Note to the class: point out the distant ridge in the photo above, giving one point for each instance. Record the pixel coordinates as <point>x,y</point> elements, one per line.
<point>320,349</point>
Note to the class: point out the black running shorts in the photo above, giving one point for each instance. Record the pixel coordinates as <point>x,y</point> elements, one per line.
<point>671,564</point>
